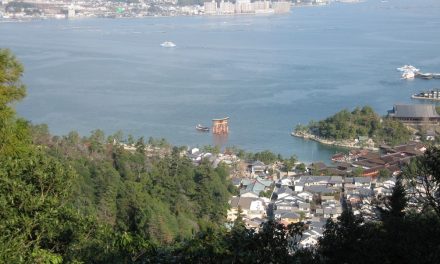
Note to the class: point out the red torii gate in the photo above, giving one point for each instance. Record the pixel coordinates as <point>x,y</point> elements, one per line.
<point>220,126</point>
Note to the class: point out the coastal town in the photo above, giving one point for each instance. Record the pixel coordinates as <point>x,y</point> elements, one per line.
<point>314,192</point>
<point>12,10</point>
<point>290,191</point>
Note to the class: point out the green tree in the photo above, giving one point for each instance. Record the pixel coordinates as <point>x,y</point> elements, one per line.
<point>301,167</point>
<point>289,163</point>
<point>396,204</point>
<point>358,171</point>
<point>384,174</point>
<point>423,174</point>
<point>14,133</point>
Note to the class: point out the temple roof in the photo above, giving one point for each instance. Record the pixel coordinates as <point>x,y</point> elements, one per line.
<point>415,111</point>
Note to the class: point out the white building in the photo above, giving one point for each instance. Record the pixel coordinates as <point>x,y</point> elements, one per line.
<point>210,8</point>
<point>227,8</point>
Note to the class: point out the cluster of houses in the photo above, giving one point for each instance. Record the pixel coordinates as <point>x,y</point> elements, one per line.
<point>306,198</point>
<point>311,196</point>
<point>390,159</point>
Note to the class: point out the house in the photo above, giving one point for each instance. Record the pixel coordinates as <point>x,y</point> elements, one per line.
<point>320,189</point>
<point>254,223</point>
<point>354,198</point>
<point>333,181</point>
<point>304,208</point>
<point>299,187</point>
<point>285,205</point>
<point>257,167</point>
<point>286,216</point>
<point>236,182</point>
<point>332,212</point>
<point>362,182</point>
<point>250,207</point>
<point>326,198</point>
<point>248,194</point>
<point>307,196</point>
<point>283,192</point>
<point>290,218</point>
<point>245,182</point>
<point>310,237</point>
<point>285,182</point>
<point>254,186</point>
<point>430,134</point>
<point>308,240</point>
<point>319,212</point>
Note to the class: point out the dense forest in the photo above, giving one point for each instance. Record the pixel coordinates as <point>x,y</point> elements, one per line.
<point>359,122</point>
<point>73,199</point>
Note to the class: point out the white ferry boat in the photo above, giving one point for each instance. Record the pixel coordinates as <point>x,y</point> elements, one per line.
<point>408,75</point>
<point>168,44</point>
<point>407,68</point>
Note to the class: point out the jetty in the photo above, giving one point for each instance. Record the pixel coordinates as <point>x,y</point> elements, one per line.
<point>427,76</point>
<point>433,95</point>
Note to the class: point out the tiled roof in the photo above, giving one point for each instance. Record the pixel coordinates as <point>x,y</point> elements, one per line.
<point>415,111</point>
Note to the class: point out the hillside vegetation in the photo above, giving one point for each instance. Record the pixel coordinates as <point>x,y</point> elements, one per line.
<point>60,194</point>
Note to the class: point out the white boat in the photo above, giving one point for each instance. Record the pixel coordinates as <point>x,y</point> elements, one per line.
<point>199,127</point>
<point>408,75</point>
<point>168,44</point>
<point>406,68</point>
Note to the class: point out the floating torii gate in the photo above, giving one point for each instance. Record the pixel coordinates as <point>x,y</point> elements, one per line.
<point>220,126</point>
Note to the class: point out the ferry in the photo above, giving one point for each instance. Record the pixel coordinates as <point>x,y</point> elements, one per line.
<point>168,44</point>
<point>408,75</point>
<point>406,68</point>
<point>428,95</point>
<point>201,128</point>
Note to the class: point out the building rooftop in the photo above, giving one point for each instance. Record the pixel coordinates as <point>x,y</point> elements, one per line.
<point>414,111</point>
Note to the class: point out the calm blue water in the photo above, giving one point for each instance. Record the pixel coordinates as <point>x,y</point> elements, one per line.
<point>267,73</point>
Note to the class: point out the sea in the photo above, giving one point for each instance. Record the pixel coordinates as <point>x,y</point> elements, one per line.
<point>267,73</point>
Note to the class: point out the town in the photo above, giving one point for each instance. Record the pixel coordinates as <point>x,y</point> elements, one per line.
<point>290,191</point>
<point>61,9</point>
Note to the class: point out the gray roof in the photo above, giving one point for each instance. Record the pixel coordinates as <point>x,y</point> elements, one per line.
<point>415,110</point>
<point>304,205</point>
<point>258,163</point>
<point>284,190</point>
<point>236,181</point>
<point>242,202</point>
<point>362,179</point>
<point>319,189</point>
<point>290,215</point>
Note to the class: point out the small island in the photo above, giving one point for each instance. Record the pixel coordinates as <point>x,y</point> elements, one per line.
<point>360,128</point>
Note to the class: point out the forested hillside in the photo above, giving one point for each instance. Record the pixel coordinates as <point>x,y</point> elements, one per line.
<point>57,192</point>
